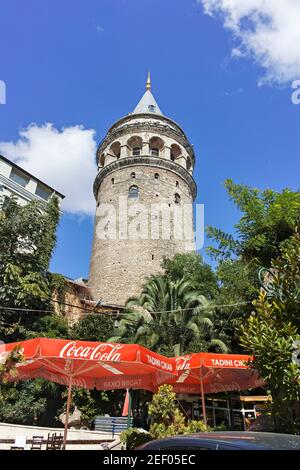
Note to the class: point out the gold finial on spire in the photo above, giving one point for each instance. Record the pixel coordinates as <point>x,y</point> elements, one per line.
<point>148,84</point>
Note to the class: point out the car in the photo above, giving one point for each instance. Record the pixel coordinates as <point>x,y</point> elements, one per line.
<point>227,440</point>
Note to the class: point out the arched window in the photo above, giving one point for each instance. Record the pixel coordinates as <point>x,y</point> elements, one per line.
<point>132,175</point>
<point>113,181</point>
<point>175,152</point>
<point>177,184</point>
<point>156,176</point>
<point>177,198</point>
<point>115,149</point>
<point>135,143</point>
<point>156,144</point>
<point>133,192</point>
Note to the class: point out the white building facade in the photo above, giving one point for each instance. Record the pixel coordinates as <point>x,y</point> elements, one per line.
<point>25,187</point>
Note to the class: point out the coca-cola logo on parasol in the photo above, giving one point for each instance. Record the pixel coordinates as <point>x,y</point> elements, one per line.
<point>102,352</point>
<point>183,362</point>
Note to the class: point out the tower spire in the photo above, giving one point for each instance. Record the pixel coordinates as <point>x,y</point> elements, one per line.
<point>148,84</point>
<point>147,103</point>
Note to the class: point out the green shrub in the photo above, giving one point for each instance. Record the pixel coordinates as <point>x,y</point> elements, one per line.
<point>134,437</point>
<point>221,427</point>
<point>167,419</point>
<point>197,426</point>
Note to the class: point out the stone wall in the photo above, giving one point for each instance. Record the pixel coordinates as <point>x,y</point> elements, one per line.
<point>120,266</point>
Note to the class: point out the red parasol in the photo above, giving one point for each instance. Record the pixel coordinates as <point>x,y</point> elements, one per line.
<point>85,364</point>
<point>213,373</point>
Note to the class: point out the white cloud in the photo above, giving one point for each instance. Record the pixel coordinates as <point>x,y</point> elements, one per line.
<point>266,30</point>
<point>63,159</point>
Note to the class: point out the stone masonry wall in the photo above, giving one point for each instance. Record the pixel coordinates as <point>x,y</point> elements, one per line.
<point>119,267</point>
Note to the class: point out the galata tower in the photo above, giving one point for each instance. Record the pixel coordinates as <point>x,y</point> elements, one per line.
<point>144,192</point>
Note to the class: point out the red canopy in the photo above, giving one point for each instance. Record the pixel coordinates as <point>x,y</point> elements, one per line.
<point>217,372</point>
<point>103,366</point>
<point>106,366</point>
<point>89,365</point>
<point>212,373</point>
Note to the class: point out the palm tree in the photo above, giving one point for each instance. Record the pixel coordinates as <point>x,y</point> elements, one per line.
<point>168,317</point>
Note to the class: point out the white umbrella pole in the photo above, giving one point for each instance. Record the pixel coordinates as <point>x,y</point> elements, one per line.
<point>67,412</point>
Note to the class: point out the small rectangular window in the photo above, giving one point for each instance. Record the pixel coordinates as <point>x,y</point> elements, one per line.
<point>18,177</point>
<point>42,192</point>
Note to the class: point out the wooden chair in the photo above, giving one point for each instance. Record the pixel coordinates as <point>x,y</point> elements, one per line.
<point>58,442</point>
<point>54,442</point>
<point>37,442</point>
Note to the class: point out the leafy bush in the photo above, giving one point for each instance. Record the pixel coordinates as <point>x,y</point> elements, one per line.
<point>197,426</point>
<point>134,437</point>
<point>167,418</point>
<point>221,427</point>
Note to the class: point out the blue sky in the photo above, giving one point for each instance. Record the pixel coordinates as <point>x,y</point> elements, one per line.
<point>84,63</point>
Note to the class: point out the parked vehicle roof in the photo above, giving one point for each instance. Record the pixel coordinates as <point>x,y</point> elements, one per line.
<point>230,439</point>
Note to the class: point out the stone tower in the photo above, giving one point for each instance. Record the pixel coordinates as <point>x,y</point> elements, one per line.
<point>144,192</point>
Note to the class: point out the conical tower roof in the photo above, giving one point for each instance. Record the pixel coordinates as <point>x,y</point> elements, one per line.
<point>148,103</point>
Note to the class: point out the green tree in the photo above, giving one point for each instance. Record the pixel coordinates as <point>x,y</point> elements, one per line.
<point>27,239</point>
<point>169,317</point>
<point>93,328</point>
<point>192,267</point>
<point>268,218</point>
<point>272,332</point>
<point>31,402</point>
<point>238,287</point>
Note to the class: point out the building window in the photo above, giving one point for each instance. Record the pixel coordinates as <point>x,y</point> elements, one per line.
<point>115,149</point>
<point>42,192</point>
<point>177,184</point>
<point>151,108</point>
<point>156,176</point>
<point>154,152</point>
<point>113,181</point>
<point>136,151</point>
<point>177,198</point>
<point>18,177</point>
<point>152,256</point>
<point>133,192</point>
<point>175,152</point>
<point>135,144</point>
<point>132,175</point>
